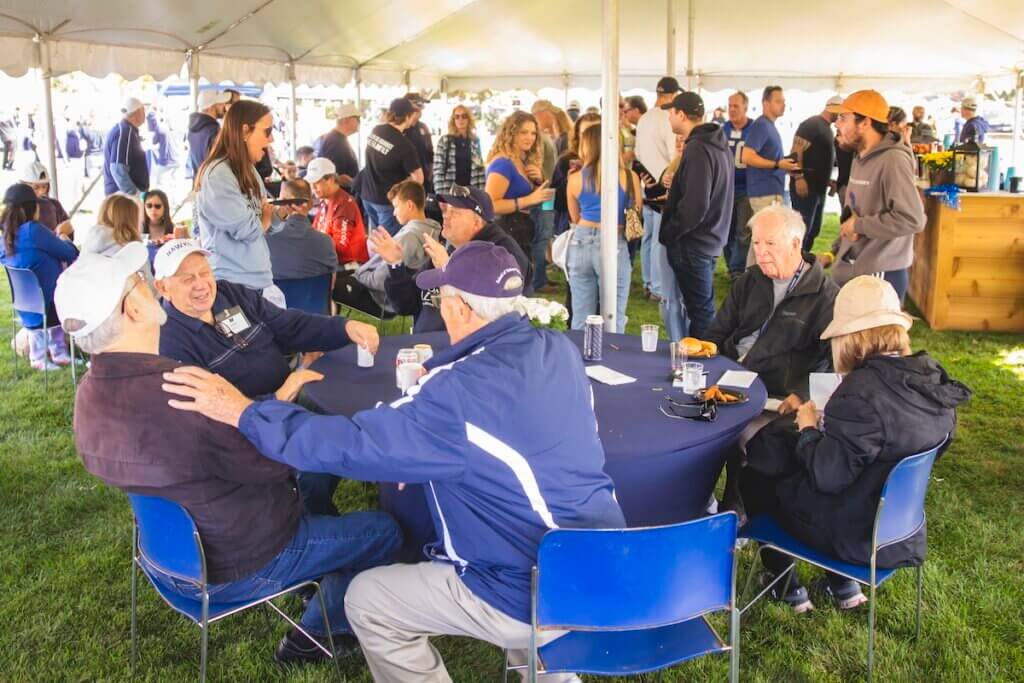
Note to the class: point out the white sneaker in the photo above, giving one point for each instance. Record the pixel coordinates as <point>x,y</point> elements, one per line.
<point>44,366</point>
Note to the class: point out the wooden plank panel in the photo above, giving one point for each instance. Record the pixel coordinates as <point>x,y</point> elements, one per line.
<point>974,237</point>
<point>990,208</point>
<point>973,313</point>
<point>977,268</point>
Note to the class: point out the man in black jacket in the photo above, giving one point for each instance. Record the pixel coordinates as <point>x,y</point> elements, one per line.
<point>468,212</point>
<point>772,321</point>
<point>695,221</point>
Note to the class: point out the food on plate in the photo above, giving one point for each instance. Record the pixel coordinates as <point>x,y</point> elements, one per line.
<point>715,393</point>
<point>695,348</point>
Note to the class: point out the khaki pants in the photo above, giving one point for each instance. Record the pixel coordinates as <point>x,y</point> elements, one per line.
<point>756,204</point>
<point>394,610</point>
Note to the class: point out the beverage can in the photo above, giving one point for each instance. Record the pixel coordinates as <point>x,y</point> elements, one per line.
<point>424,352</point>
<point>407,355</point>
<point>408,375</point>
<point>592,338</point>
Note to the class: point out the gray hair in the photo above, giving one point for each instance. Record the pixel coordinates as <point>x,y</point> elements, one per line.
<point>777,214</point>
<point>486,307</point>
<point>103,336</point>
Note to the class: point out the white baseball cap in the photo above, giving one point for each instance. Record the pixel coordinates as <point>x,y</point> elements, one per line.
<point>208,98</point>
<point>834,101</point>
<point>318,168</point>
<point>91,288</point>
<point>33,173</point>
<point>170,256</point>
<point>348,110</point>
<point>969,103</point>
<point>130,105</point>
<point>864,302</point>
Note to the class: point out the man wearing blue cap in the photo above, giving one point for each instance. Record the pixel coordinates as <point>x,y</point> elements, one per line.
<point>468,214</point>
<point>500,468</point>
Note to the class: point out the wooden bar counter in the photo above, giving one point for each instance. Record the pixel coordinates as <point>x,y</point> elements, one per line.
<point>968,271</point>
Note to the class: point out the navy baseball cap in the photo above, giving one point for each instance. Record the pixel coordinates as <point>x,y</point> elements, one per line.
<point>690,103</point>
<point>463,197</point>
<point>480,268</point>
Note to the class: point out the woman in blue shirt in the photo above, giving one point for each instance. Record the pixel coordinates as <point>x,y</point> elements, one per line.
<point>583,196</point>
<point>27,243</point>
<point>514,179</point>
<point>232,210</point>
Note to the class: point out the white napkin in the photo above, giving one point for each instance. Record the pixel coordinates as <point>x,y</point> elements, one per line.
<point>772,404</point>
<point>822,385</point>
<point>606,375</point>
<point>740,379</point>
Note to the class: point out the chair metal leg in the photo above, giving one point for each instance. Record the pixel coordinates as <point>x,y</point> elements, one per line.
<point>504,677</point>
<point>327,630</point>
<point>204,637</point>
<point>751,573</point>
<point>734,642</point>
<point>74,371</point>
<point>920,593</point>
<point>871,630</point>
<point>135,643</point>
<point>46,373</point>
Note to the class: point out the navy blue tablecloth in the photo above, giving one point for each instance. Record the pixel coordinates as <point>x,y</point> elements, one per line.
<point>664,469</point>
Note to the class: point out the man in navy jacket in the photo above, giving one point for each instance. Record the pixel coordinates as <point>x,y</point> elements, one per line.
<point>124,162</point>
<point>500,467</point>
<point>695,220</point>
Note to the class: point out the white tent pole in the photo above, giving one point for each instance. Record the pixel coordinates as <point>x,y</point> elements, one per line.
<point>42,59</point>
<point>293,110</point>
<point>192,59</point>
<point>670,38</point>
<point>1015,160</point>
<point>609,160</point>
<point>690,32</point>
<point>565,90</point>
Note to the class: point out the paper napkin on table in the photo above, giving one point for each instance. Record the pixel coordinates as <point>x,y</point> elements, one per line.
<point>822,386</point>
<point>772,404</point>
<point>606,375</point>
<point>741,379</point>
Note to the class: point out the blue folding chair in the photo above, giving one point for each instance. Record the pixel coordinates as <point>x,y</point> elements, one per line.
<point>309,294</point>
<point>900,515</point>
<point>166,538</point>
<point>633,600</point>
<point>27,296</point>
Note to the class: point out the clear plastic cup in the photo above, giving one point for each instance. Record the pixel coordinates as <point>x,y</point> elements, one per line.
<point>677,355</point>
<point>693,373</point>
<point>649,338</point>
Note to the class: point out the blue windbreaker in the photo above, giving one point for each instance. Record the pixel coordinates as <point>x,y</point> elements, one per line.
<point>501,432</point>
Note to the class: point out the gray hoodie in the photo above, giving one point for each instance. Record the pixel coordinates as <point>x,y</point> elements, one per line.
<point>883,196</point>
<point>374,272</point>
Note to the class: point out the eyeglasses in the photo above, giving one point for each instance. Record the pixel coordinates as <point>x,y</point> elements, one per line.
<point>702,411</point>
<point>154,206</point>
<point>460,116</point>
<point>136,278</point>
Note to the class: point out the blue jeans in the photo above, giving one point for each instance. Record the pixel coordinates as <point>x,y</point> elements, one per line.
<point>335,548</point>
<point>695,274</point>
<point>649,264</point>
<point>584,262</point>
<point>544,222</point>
<point>738,243</point>
<point>810,208</point>
<point>673,313</point>
<point>900,280</point>
<point>383,215</point>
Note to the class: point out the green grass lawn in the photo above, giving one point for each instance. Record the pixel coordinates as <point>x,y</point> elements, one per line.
<point>67,542</point>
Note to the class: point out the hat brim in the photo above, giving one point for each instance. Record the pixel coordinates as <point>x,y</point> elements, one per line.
<point>131,258</point>
<point>838,328</point>
<point>431,279</point>
<point>313,177</point>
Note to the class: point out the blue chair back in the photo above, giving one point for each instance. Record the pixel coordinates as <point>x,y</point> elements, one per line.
<point>310,294</point>
<point>902,512</point>
<point>591,579</point>
<point>26,292</point>
<point>168,537</point>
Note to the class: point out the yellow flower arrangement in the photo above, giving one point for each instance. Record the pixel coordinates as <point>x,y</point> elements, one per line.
<point>939,161</point>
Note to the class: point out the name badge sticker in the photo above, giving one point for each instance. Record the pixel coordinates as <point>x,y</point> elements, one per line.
<point>232,321</point>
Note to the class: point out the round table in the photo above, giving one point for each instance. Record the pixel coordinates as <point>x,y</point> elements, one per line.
<point>664,469</point>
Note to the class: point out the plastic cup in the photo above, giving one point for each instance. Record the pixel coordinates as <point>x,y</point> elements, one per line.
<point>649,338</point>
<point>692,374</point>
<point>364,358</point>
<point>677,355</point>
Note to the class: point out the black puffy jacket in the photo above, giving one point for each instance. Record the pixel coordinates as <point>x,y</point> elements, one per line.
<point>888,408</point>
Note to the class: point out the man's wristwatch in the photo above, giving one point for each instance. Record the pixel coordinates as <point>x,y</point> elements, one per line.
<point>776,164</point>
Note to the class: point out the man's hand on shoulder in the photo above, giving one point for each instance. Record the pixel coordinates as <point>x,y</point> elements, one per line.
<point>211,394</point>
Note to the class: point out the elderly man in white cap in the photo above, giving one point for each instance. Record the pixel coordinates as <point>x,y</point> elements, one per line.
<point>256,534</point>
<point>814,148</point>
<point>975,126</point>
<point>334,144</point>
<point>51,211</point>
<point>203,125</point>
<point>124,161</point>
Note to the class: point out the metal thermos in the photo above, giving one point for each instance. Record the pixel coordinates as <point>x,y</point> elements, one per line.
<point>592,333</point>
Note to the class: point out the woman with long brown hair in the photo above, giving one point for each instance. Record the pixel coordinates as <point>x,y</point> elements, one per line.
<point>232,211</point>
<point>156,216</point>
<point>457,158</point>
<point>117,225</point>
<point>515,181</point>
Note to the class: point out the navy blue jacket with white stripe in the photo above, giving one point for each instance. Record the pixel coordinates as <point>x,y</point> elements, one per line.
<point>501,431</point>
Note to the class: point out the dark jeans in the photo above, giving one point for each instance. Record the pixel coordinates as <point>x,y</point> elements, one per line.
<point>900,281</point>
<point>335,548</point>
<point>810,208</point>
<point>738,243</point>
<point>544,222</point>
<point>382,215</point>
<point>316,488</point>
<point>695,274</point>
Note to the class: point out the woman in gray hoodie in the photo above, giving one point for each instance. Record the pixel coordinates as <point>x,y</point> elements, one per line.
<point>232,210</point>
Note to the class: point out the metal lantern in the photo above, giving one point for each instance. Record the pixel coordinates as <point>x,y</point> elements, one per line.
<point>970,166</point>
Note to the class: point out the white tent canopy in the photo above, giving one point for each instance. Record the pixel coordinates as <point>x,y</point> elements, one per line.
<point>912,45</point>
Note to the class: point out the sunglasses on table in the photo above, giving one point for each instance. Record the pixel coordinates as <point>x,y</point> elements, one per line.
<point>701,411</point>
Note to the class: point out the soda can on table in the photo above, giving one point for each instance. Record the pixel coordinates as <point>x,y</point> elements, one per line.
<point>408,375</point>
<point>407,355</point>
<point>592,333</point>
<point>424,352</point>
